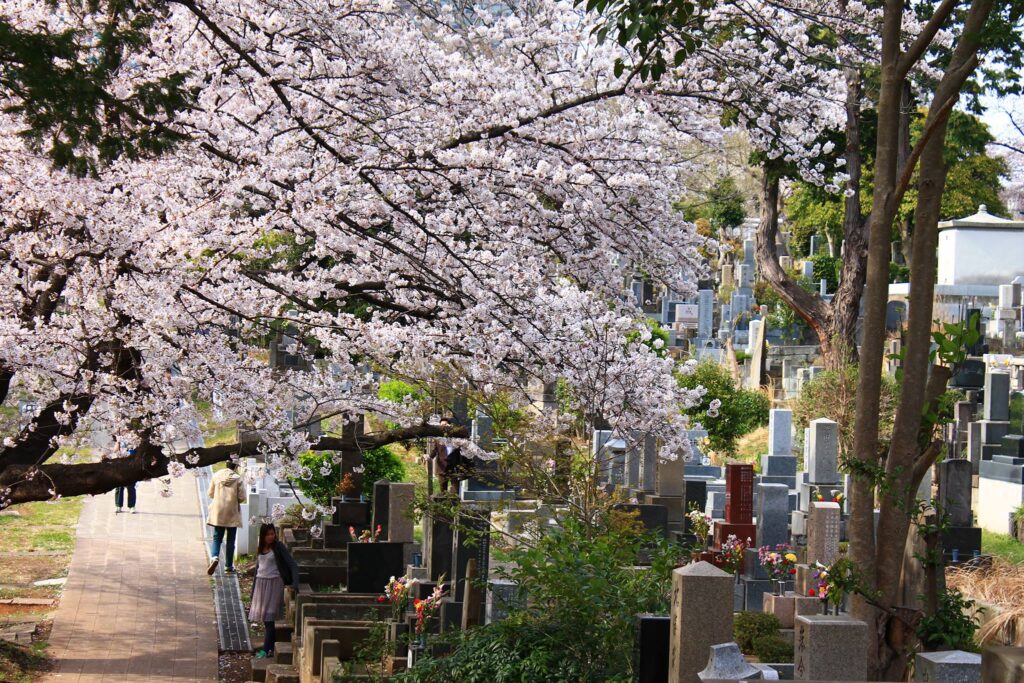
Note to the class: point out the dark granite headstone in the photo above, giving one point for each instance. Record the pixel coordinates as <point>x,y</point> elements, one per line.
<point>650,655</point>
<point>653,517</point>
<point>381,495</point>
<point>471,538</point>
<point>695,494</point>
<point>955,491</point>
<point>1012,445</point>
<point>351,513</point>
<point>439,549</point>
<point>371,566</point>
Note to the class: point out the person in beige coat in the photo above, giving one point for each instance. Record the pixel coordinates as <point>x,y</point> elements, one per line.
<point>227,490</point>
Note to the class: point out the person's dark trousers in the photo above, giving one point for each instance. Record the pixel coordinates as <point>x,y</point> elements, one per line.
<point>229,551</point>
<point>119,496</point>
<point>270,637</point>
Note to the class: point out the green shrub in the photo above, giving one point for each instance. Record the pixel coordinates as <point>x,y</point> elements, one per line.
<point>773,649</point>
<point>380,463</point>
<point>953,625</point>
<point>319,487</point>
<point>827,268</point>
<point>748,626</point>
<point>579,623</point>
<point>741,412</point>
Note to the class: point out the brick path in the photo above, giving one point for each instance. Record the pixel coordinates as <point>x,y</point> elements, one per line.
<point>137,605</point>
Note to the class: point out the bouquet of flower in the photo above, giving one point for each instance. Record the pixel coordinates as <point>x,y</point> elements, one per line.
<point>700,524</point>
<point>732,554</point>
<point>366,536</point>
<point>397,593</point>
<point>779,563</point>
<point>835,496</point>
<point>834,581</point>
<point>426,609</point>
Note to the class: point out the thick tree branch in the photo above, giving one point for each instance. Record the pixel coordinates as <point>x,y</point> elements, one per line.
<point>29,483</point>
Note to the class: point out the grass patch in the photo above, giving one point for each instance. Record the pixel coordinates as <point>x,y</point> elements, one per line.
<point>40,526</point>
<point>22,663</point>
<point>53,540</point>
<point>1003,546</point>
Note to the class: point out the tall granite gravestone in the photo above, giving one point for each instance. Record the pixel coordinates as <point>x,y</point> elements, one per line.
<point>702,601</point>
<point>400,501</point>
<point>830,648</point>
<point>381,506</point>
<point>705,313</point>
<point>438,548</point>
<point>823,465</point>
<point>772,529</point>
<point>739,505</point>
<point>772,514</point>
<point>960,534</point>
<point>821,459</point>
<point>995,422</point>
<point>823,533</point>
<point>371,565</point>
<point>649,464</point>
<point>471,539</point>
<point>779,465</point>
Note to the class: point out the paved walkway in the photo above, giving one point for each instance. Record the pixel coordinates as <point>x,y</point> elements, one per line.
<point>137,605</point>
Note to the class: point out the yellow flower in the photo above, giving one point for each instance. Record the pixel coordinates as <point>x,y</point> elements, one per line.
<point>791,557</point>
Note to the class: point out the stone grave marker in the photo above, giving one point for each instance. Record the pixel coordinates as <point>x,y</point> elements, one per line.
<point>702,602</point>
<point>830,648</point>
<point>823,529</point>
<point>947,666</point>
<point>823,462</point>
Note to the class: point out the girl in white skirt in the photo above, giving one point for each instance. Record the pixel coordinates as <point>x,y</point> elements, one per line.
<point>275,569</point>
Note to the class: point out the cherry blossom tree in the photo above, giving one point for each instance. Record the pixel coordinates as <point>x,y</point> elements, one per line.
<point>410,193</point>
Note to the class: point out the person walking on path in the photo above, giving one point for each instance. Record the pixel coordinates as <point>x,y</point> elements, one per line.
<point>119,498</point>
<point>275,569</point>
<point>228,492</point>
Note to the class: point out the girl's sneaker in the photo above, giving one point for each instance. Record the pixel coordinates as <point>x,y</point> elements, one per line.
<point>263,654</point>
<point>213,566</point>
<point>117,510</point>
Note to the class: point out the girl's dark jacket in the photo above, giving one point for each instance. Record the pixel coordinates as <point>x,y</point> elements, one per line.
<point>286,566</point>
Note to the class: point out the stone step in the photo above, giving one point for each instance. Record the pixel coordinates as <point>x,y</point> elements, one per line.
<point>259,669</point>
<point>282,673</point>
<point>283,631</point>
<point>283,653</point>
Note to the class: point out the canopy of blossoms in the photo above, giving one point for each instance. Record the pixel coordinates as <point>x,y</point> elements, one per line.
<point>408,190</point>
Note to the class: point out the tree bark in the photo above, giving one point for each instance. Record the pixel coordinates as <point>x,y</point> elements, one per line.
<point>29,483</point>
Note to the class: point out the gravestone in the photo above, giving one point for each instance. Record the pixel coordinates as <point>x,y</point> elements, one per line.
<point>651,652</point>
<point>669,479</point>
<point>652,517</point>
<point>780,431</point>
<point>739,505</point>
<point>371,566</point>
<point>401,497</point>
<point>705,313</point>
<point>726,662</point>
<point>772,514</point>
<point>381,505</point>
<point>948,666</point>
<point>823,452</point>
<point>997,396</point>
<point>438,551</point>
<point>649,464</point>
<point>955,491</point>
<point>823,530</point>
<point>830,648</point>
<point>470,539</point>
<point>702,602</point>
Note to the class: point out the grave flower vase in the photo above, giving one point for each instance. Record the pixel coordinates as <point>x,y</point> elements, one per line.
<point>778,587</point>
